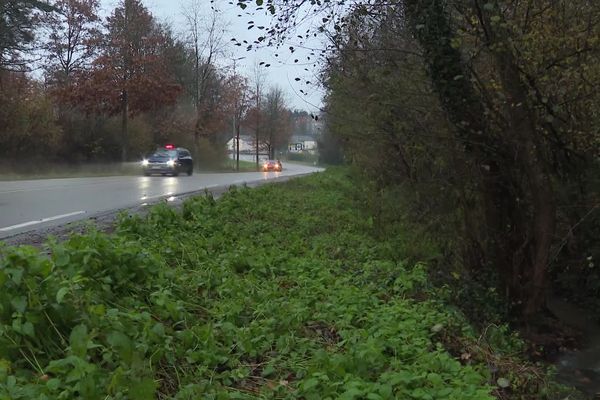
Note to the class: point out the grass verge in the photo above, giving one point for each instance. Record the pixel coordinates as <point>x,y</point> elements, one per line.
<point>279,292</point>
<point>55,171</point>
<point>245,166</point>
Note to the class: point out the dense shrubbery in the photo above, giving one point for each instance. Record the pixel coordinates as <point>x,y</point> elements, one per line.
<point>237,299</point>
<point>483,122</point>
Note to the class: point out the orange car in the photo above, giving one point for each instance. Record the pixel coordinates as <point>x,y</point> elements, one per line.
<point>272,165</point>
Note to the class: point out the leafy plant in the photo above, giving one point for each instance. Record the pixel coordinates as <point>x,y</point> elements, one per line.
<point>231,299</point>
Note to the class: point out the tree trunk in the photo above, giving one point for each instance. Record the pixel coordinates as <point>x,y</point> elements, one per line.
<point>237,147</point>
<point>124,125</point>
<point>527,147</point>
<point>257,149</point>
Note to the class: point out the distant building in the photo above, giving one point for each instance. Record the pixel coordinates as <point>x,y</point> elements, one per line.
<point>246,144</point>
<point>310,145</point>
<point>296,147</point>
<point>301,146</point>
<point>247,149</point>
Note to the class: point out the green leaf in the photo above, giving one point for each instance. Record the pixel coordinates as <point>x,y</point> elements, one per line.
<point>158,329</point>
<point>61,257</point>
<point>60,295</point>
<point>28,329</point>
<point>122,344</point>
<point>143,390</point>
<point>16,275</point>
<point>19,303</point>
<point>269,370</point>
<point>310,384</point>
<point>387,391</point>
<point>79,340</point>
<point>53,384</point>
<point>351,394</point>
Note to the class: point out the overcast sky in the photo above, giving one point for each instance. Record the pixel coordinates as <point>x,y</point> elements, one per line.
<point>282,72</point>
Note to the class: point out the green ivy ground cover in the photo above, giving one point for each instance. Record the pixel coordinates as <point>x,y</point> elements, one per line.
<point>278,292</point>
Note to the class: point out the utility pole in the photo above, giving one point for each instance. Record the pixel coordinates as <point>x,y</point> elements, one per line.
<point>237,115</point>
<point>237,139</point>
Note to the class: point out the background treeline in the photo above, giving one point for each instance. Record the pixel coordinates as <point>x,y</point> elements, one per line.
<point>476,122</point>
<point>75,87</point>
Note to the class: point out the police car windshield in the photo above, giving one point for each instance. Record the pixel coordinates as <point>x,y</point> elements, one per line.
<point>165,153</point>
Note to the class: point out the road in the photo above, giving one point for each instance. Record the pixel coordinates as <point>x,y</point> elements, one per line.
<point>34,204</point>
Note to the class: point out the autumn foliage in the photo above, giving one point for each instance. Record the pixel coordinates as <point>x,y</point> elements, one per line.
<point>113,88</point>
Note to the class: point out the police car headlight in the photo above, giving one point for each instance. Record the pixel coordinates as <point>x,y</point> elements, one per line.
<point>171,163</point>
<point>144,163</point>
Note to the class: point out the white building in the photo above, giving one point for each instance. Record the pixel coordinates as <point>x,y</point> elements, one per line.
<point>304,145</point>
<point>246,145</point>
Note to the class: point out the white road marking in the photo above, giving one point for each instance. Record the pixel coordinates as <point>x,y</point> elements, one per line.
<point>40,221</point>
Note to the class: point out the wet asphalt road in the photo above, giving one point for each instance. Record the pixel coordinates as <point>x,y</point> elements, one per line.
<point>35,204</point>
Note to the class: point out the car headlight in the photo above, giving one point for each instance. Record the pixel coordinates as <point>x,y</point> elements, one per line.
<point>171,163</point>
<point>144,163</point>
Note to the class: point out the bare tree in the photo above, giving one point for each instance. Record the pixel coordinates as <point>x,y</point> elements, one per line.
<point>277,124</point>
<point>258,83</point>
<point>205,38</point>
<point>239,92</point>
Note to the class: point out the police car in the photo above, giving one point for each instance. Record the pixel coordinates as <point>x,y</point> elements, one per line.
<point>168,160</point>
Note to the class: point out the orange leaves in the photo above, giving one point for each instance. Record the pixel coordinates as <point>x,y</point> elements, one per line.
<point>132,62</point>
